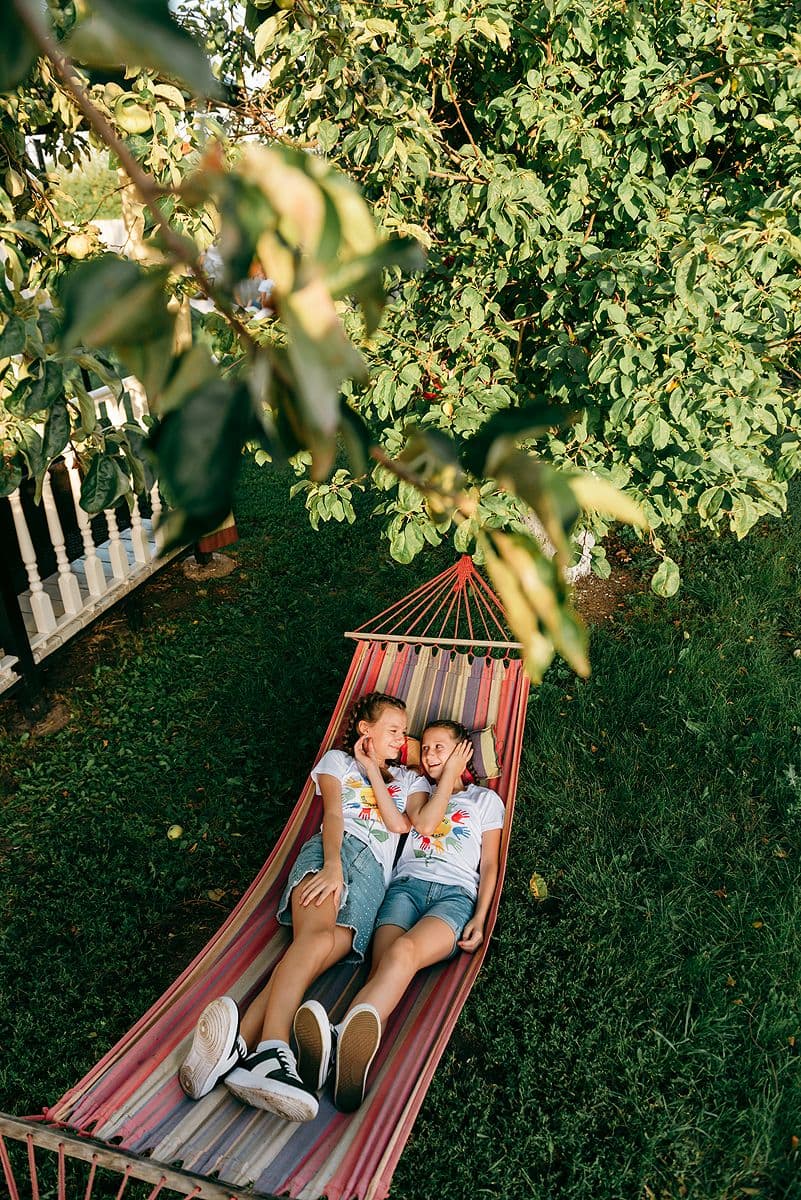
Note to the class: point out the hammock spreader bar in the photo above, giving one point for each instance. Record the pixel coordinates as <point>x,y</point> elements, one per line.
<point>132,1096</point>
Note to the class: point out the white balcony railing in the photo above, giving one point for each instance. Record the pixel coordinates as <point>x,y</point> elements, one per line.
<point>58,606</point>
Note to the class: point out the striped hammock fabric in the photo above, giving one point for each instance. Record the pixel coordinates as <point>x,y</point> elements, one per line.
<point>132,1097</point>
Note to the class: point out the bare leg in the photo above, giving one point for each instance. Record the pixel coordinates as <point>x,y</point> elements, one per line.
<point>398,956</point>
<point>253,1020</point>
<point>317,943</point>
<point>383,938</point>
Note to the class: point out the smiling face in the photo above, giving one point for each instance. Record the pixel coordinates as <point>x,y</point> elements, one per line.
<point>436,748</point>
<point>388,732</point>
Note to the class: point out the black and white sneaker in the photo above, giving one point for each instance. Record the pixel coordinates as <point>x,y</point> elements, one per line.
<point>357,1045</point>
<point>269,1079</point>
<point>314,1036</point>
<point>216,1048</point>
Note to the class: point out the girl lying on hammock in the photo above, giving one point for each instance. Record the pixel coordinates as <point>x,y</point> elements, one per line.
<point>331,899</point>
<point>437,903</point>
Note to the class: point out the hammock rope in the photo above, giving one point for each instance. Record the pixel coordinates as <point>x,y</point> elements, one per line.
<point>460,587</point>
<point>434,649</point>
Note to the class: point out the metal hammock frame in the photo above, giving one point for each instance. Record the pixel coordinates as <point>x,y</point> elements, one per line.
<point>445,650</point>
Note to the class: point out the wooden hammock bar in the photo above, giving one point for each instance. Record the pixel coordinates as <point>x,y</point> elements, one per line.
<point>431,641</point>
<point>98,1154</point>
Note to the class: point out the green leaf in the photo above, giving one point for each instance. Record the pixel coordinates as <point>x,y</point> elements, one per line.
<point>709,502</point>
<point>151,363</point>
<point>361,277</point>
<point>57,431</point>
<point>10,474</point>
<point>33,395</point>
<point>666,579</point>
<point>357,438</point>
<point>139,457</point>
<point>142,33</point>
<point>111,301</point>
<point>599,495</point>
<point>17,52</point>
<point>104,484</point>
<point>321,358</point>
<point>546,491</point>
<point>198,447</point>
<point>601,565</point>
<point>505,429</point>
<point>246,213</point>
<point>744,515</point>
<point>30,445</point>
<point>188,371</point>
<point>12,339</point>
<point>660,434</point>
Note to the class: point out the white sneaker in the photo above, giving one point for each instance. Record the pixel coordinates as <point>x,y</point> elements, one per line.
<point>269,1079</point>
<point>216,1048</point>
<point>357,1045</point>
<point>314,1038</point>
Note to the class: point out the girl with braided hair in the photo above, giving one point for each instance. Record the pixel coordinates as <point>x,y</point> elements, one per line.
<point>331,899</point>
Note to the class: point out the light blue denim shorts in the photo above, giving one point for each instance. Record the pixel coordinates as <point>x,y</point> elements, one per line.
<point>408,900</point>
<point>364,888</point>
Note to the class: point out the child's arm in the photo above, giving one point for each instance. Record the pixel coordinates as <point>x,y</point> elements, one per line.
<point>473,932</point>
<point>428,810</point>
<point>396,822</point>
<point>329,880</point>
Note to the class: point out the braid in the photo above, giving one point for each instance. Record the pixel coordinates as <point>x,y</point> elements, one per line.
<point>461,733</point>
<point>367,708</point>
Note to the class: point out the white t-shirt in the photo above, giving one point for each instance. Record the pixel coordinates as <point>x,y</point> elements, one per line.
<point>452,853</point>
<point>360,807</point>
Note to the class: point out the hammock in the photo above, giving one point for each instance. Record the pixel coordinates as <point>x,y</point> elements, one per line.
<point>131,1101</point>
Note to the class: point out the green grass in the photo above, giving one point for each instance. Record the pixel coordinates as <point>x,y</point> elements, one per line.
<point>628,1039</point>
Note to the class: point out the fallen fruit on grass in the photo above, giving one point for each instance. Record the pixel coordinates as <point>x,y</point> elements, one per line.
<point>538,887</point>
<point>175,831</point>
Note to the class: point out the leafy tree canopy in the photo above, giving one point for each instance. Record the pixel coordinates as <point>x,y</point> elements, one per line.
<point>609,194</point>
<point>608,197</point>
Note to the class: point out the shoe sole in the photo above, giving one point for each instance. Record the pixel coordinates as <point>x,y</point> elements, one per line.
<point>214,1043</point>
<point>280,1100</point>
<point>310,1039</point>
<point>356,1049</point>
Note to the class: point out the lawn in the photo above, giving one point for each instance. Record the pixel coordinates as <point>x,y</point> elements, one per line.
<point>634,1037</point>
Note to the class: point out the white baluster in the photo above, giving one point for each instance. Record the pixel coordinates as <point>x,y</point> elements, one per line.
<point>155,503</point>
<point>139,538</point>
<point>115,410</point>
<point>41,606</point>
<point>138,399</point>
<point>120,566</point>
<point>7,675</point>
<point>68,585</point>
<point>102,398</point>
<point>95,575</point>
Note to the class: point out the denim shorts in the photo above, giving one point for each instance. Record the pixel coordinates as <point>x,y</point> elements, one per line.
<point>364,888</point>
<point>408,900</point>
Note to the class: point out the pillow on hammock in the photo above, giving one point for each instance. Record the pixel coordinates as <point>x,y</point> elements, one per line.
<point>486,761</point>
<point>410,754</point>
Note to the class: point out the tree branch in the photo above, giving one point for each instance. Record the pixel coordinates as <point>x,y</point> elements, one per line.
<point>145,185</point>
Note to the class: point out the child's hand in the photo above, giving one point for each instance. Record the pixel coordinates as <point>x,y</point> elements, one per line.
<point>327,882</point>
<point>459,757</point>
<point>472,935</point>
<point>364,753</point>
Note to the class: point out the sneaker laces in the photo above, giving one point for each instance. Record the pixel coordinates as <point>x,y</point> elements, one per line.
<point>286,1059</point>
